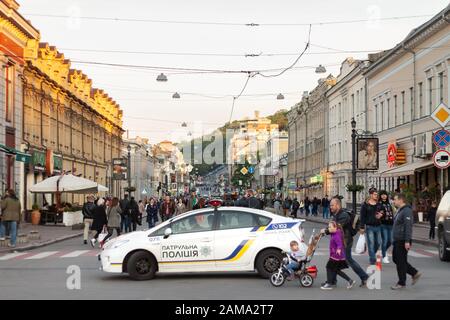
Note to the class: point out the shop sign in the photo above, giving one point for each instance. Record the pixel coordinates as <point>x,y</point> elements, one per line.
<point>39,160</point>
<point>120,169</point>
<point>57,164</point>
<point>316,179</point>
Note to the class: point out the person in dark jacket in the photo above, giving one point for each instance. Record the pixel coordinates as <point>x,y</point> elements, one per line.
<point>370,224</point>
<point>252,201</point>
<point>125,215</point>
<point>315,206</point>
<point>342,217</point>
<point>133,209</point>
<point>295,207</point>
<point>287,203</point>
<point>152,213</point>
<point>402,236</point>
<point>307,205</point>
<point>325,207</point>
<point>242,202</point>
<point>100,220</point>
<point>387,220</point>
<point>88,216</point>
<point>167,209</point>
<point>432,219</point>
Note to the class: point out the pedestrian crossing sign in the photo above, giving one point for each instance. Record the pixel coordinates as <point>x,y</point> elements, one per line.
<point>441,114</point>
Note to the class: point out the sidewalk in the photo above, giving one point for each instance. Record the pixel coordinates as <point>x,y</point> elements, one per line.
<point>420,229</point>
<point>39,236</point>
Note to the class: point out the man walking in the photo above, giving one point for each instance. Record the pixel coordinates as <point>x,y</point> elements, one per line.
<point>88,216</point>
<point>326,207</point>
<point>125,215</point>
<point>402,236</point>
<point>371,224</point>
<point>295,207</point>
<point>167,209</point>
<point>11,214</point>
<point>252,201</point>
<point>343,218</point>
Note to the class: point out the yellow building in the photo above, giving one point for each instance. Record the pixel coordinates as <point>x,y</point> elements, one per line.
<point>68,124</point>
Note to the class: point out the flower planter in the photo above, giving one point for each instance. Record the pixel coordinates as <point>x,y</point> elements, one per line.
<point>35,217</point>
<point>71,218</point>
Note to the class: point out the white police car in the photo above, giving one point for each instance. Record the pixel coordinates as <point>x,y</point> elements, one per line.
<point>212,239</point>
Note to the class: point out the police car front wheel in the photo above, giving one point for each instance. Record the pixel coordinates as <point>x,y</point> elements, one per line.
<point>268,262</point>
<point>141,266</point>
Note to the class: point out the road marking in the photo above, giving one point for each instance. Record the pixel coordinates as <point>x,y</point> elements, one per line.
<point>417,255</point>
<point>12,255</point>
<point>435,252</point>
<point>75,253</point>
<point>41,255</point>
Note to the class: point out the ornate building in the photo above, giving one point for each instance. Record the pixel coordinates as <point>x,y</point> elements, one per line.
<point>68,124</point>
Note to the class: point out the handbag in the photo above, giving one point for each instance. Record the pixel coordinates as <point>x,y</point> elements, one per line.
<point>361,244</point>
<point>103,234</point>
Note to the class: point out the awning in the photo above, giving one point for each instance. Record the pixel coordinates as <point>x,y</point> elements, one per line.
<point>406,169</point>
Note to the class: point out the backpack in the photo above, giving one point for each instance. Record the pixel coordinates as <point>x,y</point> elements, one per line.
<point>355,222</point>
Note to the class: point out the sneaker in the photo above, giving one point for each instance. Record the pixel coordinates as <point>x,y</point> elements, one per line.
<point>386,260</point>
<point>327,287</point>
<point>93,241</point>
<point>363,284</point>
<point>351,284</point>
<point>11,245</point>
<point>324,283</point>
<point>85,241</point>
<point>397,287</point>
<point>415,278</point>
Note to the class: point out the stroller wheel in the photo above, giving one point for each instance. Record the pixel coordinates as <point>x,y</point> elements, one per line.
<point>277,279</point>
<point>306,280</point>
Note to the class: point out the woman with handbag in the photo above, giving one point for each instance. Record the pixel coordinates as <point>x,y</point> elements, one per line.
<point>113,216</point>
<point>100,220</point>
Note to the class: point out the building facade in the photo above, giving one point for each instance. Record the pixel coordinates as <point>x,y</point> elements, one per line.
<point>68,124</point>
<point>15,32</point>
<point>405,86</point>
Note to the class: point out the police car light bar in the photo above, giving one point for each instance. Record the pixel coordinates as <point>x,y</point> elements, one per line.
<point>215,203</point>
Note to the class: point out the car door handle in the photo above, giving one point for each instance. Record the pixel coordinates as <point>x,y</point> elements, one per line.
<point>206,240</point>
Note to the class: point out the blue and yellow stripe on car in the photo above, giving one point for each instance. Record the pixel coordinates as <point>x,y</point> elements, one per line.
<point>237,253</point>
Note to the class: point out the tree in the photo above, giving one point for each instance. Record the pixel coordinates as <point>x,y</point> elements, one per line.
<point>239,176</point>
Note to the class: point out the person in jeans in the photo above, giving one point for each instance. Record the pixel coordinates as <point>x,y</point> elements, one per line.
<point>343,219</point>
<point>152,213</point>
<point>387,220</point>
<point>371,224</point>
<point>326,207</point>
<point>11,215</point>
<point>88,217</point>
<point>432,219</point>
<point>113,212</point>
<point>402,236</point>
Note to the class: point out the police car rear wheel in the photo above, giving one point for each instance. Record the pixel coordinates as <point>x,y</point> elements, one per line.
<point>268,262</point>
<point>141,266</point>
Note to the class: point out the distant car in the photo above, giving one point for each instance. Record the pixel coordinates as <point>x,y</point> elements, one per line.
<point>443,225</point>
<point>212,239</point>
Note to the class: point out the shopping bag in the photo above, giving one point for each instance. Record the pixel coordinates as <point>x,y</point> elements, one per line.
<point>361,244</point>
<point>102,235</point>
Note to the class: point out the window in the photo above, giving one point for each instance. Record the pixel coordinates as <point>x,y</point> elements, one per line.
<point>9,92</point>
<point>395,111</point>
<point>403,107</point>
<point>388,112</point>
<point>430,95</point>
<point>382,112</point>
<point>194,223</point>
<point>376,119</point>
<point>353,105</point>
<point>421,113</point>
<point>441,87</point>
<point>411,101</point>
<point>239,219</point>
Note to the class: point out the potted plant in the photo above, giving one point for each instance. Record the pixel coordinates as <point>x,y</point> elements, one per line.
<point>35,215</point>
<point>351,187</point>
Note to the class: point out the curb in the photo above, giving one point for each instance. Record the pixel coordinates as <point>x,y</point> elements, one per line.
<point>43,244</point>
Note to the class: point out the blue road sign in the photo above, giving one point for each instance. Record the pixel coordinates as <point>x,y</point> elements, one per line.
<point>441,138</point>
<point>251,170</point>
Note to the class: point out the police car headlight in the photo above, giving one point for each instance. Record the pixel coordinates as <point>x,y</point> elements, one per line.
<point>119,243</point>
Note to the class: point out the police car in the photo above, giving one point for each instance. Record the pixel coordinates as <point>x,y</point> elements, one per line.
<point>214,239</point>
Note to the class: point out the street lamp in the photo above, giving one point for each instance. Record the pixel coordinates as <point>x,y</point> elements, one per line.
<point>354,134</point>
<point>321,69</point>
<point>161,78</point>
<point>129,169</point>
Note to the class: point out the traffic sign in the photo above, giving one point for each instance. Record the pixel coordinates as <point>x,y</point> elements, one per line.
<point>441,138</point>
<point>251,170</point>
<point>244,171</point>
<point>441,114</point>
<point>441,159</point>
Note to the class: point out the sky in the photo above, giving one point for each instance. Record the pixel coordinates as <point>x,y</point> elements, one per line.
<point>206,98</point>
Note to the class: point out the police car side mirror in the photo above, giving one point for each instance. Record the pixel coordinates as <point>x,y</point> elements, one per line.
<point>167,233</point>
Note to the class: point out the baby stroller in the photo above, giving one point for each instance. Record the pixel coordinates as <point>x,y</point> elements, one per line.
<point>305,273</point>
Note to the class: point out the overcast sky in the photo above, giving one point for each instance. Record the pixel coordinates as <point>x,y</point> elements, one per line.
<point>143,99</point>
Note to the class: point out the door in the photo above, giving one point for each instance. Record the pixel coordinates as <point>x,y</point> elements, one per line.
<point>190,247</point>
<point>236,238</point>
